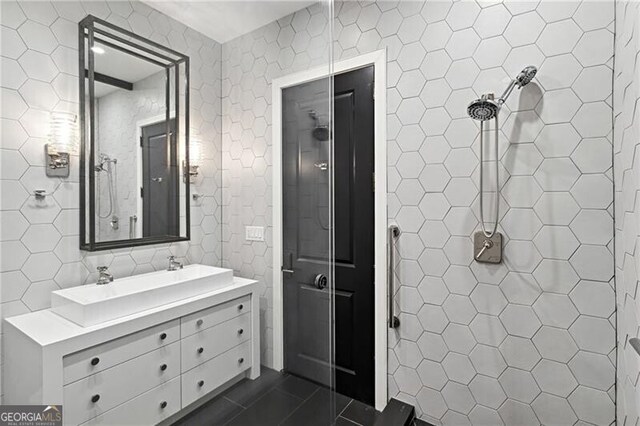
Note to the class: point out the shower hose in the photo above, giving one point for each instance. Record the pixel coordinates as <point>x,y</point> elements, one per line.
<point>489,234</point>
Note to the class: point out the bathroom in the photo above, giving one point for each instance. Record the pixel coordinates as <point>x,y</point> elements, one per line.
<point>333,240</point>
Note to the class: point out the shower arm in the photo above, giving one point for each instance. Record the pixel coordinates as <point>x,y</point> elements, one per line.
<point>503,98</point>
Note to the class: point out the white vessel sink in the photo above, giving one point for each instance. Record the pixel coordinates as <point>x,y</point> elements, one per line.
<point>93,304</point>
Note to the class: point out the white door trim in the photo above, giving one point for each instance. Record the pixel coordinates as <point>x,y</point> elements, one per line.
<point>379,60</point>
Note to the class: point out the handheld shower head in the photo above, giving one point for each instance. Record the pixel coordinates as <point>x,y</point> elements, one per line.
<point>523,78</point>
<point>526,75</point>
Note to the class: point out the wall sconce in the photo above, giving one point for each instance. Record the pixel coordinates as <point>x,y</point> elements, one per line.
<point>195,155</point>
<point>63,142</point>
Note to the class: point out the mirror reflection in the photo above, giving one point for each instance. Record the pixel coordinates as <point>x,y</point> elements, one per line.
<point>136,123</point>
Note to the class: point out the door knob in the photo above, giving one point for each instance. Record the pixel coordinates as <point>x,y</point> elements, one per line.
<point>157,179</point>
<point>320,281</point>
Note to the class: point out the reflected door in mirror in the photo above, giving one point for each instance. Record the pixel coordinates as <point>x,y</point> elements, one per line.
<point>160,180</point>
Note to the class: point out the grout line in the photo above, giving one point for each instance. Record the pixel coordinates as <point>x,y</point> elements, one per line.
<point>345,409</point>
<point>233,402</point>
<point>350,421</point>
<point>298,407</point>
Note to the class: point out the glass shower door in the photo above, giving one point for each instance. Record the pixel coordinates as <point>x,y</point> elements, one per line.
<point>305,103</point>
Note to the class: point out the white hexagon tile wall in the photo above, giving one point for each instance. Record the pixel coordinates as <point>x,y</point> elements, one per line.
<point>39,247</point>
<point>626,89</point>
<point>521,343</point>
<point>530,341</point>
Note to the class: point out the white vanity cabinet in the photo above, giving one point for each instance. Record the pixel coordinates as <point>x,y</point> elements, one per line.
<point>139,369</point>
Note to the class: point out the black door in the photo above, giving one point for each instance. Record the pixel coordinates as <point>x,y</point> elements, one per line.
<point>306,228</point>
<point>160,171</point>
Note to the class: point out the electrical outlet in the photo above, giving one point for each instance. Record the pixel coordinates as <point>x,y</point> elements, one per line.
<point>254,233</point>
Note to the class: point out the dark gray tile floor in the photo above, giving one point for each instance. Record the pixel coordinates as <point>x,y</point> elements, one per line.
<point>276,399</point>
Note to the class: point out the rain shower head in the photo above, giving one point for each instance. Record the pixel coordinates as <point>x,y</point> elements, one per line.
<point>321,131</point>
<point>483,109</point>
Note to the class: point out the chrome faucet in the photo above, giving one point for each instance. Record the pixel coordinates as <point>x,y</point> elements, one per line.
<point>174,265</point>
<point>105,277</point>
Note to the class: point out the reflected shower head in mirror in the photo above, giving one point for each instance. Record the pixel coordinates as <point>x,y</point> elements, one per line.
<point>486,107</point>
<point>104,159</point>
<point>320,131</point>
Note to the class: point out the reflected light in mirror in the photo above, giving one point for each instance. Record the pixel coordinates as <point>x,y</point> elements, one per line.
<point>195,149</point>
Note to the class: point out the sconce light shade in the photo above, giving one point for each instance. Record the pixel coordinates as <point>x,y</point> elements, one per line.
<point>63,142</point>
<point>195,158</point>
<point>63,132</point>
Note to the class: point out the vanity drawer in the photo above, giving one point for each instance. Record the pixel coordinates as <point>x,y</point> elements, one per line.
<point>100,392</point>
<point>213,341</point>
<point>206,377</point>
<point>212,316</point>
<point>98,358</point>
<point>150,408</point>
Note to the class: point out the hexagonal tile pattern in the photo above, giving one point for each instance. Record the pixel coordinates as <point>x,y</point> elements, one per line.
<point>593,370</point>
<point>488,329</point>
<point>458,368</point>
<point>524,29</point>
<point>593,334</point>
<point>488,299</point>
<point>592,405</point>
<point>594,48</point>
<point>556,242</point>
<point>487,391</point>
<point>556,208</point>
<point>559,37</point>
<point>555,148</point>
<point>458,397</point>
<point>519,385</point>
<point>519,352</point>
<point>593,298</point>
<point>520,320</point>
<point>555,344</point>
<point>555,378</point>
<point>551,409</point>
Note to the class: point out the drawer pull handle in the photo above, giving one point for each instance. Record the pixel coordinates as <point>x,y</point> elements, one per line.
<point>163,367</point>
<point>163,404</point>
<point>240,331</point>
<point>95,398</point>
<point>163,336</point>
<point>95,361</point>
<point>200,350</point>
<point>240,307</point>
<point>199,322</point>
<point>201,383</point>
<point>241,360</point>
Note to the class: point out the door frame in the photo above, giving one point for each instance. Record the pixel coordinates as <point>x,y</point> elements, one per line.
<point>379,60</point>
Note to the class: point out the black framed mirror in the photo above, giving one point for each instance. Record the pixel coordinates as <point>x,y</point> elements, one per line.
<point>134,151</point>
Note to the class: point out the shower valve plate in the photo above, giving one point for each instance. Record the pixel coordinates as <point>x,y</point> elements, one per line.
<point>492,254</point>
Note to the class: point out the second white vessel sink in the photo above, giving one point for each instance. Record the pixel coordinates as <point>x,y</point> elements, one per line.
<point>93,304</point>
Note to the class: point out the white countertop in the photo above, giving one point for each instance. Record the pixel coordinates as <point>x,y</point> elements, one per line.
<point>47,328</point>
